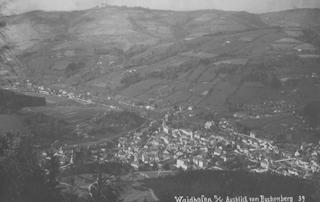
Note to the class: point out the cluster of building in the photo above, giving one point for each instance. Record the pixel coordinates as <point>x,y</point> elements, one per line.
<point>272,107</point>
<point>187,149</point>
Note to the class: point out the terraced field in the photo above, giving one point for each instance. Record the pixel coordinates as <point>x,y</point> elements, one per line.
<point>142,87</point>
<point>180,96</point>
<point>72,115</point>
<point>218,96</point>
<point>249,95</point>
<point>264,122</point>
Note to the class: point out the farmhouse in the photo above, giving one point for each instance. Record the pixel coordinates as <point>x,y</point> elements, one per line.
<point>304,47</point>
<point>135,165</point>
<point>217,152</point>
<point>182,163</point>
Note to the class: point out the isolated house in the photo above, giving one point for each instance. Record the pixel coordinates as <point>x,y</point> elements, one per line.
<point>264,163</point>
<point>182,163</point>
<point>145,158</point>
<point>202,163</point>
<point>228,158</point>
<point>305,47</point>
<point>217,152</point>
<point>135,165</point>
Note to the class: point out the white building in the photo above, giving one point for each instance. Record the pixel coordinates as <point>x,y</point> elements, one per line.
<point>182,163</point>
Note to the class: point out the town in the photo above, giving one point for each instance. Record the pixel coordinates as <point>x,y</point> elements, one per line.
<point>169,148</point>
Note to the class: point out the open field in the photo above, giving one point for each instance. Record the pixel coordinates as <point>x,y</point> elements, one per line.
<point>249,95</point>
<point>239,61</point>
<point>60,65</point>
<point>111,80</point>
<point>178,97</point>
<point>282,47</point>
<point>156,174</point>
<point>208,75</point>
<point>181,85</point>
<point>198,54</point>
<point>72,115</point>
<point>205,86</point>
<point>52,99</point>
<point>282,124</point>
<point>293,33</point>
<point>141,87</point>
<point>147,96</point>
<point>308,93</point>
<point>165,90</point>
<point>196,99</point>
<point>261,122</point>
<point>309,56</point>
<point>169,62</point>
<point>157,49</point>
<point>197,72</point>
<point>217,99</point>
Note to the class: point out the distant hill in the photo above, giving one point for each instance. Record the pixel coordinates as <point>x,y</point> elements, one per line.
<point>293,18</point>
<point>121,49</point>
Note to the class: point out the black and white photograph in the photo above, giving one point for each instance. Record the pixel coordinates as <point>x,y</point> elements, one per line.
<point>159,100</point>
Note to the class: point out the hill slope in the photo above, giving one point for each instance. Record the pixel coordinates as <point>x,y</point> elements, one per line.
<point>108,49</point>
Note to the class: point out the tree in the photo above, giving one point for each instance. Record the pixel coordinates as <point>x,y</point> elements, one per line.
<point>105,188</point>
<point>311,112</point>
<point>155,166</point>
<point>275,83</point>
<point>166,166</point>
<point>22,178</point>
<point>51,167</point>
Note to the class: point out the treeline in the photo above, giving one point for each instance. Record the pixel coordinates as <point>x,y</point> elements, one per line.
<point>311,37</point>
<point>311,112</point>
<point>22,178</point>
<point>111,168</point>
<point>26,179</point>
<point>43,127</point>
<point>232,184</point>
<point>73,68</point>
<point>10,100</point>
<point>253,20</point>
<point>179,30</point>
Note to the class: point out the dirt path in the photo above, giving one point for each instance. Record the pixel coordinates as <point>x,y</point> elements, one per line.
<point>287,117</point>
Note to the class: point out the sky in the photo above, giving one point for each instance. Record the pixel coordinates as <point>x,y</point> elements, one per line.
<point>254,6</point>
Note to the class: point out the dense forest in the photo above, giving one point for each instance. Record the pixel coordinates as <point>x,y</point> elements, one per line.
<point>231,184</point>
<point>24,178</point>
<point>43,127</point>
<point>311,112</point>
<point>11,100</point>
<point>116,122</point>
